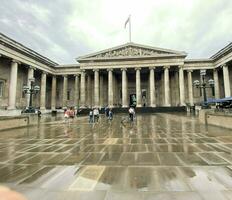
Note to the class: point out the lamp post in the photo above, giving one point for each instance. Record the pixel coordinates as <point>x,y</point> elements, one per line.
<point>31,89</point>
<point>203,84</point>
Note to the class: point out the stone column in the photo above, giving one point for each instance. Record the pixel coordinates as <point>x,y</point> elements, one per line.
<point>166,86</point>
<point>226,78</point>
<point>76,90</point>
<point>82,95</point>
<point>96,88</point>
<point>190,87</point>
<point>30,76</point>
<point>13,85</point>
<point>101,91</point>
<point>177,94</point>
<point>89,93</point>
<point>181,86</point>
<point>53,100</point>
<point>110,88</point>
<point>65,91</point>
<point>216,85</point>
<point>43,91</point>
<point>124,88</point>
<point>152,87</point>
<point>138,88</point>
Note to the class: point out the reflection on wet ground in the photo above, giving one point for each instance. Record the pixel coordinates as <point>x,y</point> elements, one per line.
<point>159,156</point>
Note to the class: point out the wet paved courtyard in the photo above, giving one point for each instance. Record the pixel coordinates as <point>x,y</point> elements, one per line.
<point>159,156</point>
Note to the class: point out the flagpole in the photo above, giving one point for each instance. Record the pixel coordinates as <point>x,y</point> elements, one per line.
<point>130,29</point>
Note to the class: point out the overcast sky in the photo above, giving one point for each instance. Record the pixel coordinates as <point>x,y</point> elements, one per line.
<point>62,30</point>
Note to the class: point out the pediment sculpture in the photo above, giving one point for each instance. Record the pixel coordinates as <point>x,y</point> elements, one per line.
<point>129,51</point>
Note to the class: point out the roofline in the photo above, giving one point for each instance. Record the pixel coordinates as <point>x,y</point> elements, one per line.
<point>128,44</point>
<point>5,40</point>
<point>222,52</point>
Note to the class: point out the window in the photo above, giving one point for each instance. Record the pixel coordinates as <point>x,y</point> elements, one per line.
<point>1,88</point>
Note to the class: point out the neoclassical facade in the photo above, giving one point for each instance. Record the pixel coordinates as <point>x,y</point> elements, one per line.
<point>155,77</point>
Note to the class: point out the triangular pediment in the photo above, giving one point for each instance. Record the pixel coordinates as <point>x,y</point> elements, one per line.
<point>131,50</point>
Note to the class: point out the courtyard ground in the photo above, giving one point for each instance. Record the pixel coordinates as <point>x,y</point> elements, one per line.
<point>158,156</point>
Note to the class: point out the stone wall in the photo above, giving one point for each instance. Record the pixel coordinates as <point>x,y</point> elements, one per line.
<point>13,122</point>
<point>221,119</point>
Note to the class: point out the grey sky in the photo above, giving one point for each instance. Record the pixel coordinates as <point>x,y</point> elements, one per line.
<point>65,29</point>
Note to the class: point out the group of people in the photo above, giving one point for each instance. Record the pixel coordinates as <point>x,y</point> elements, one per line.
<point>109,113</point>
<point>93,115</point>
<point>69,114</point>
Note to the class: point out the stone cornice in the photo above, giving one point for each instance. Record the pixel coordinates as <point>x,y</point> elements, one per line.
<point>11,54</point>
<point>207,60</point>
<point>195,64</point>
<point>75,65</point>
<point>222,52</point>
<point>130,58</point>
<point>12,44</point>
<point>60,71</point>
<point>133,64</point>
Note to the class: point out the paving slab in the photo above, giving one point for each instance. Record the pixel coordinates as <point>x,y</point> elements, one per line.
<point>159,156</point>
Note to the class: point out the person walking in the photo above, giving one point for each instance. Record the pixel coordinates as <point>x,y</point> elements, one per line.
<point>95,115</point>
<point>71,113</point>
<point>107,111</point>
<point>110,114</point>
<point>91,116</point>
<point>131,114</point>
<point>66,115</point>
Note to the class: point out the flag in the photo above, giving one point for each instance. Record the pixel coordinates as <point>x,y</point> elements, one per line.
<point>127,21</point>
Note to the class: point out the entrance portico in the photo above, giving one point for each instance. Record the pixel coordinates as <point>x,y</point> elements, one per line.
<point>132,69</point>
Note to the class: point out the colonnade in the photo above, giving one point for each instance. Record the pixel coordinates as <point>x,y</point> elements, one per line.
<point>30,76</point>
<point>80,89</point>
<point>124,89</point>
